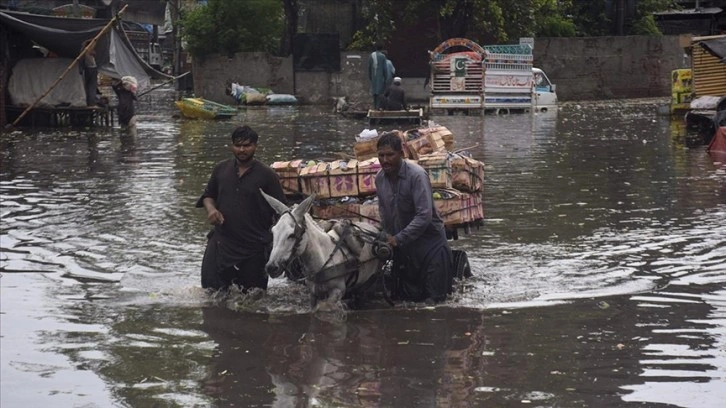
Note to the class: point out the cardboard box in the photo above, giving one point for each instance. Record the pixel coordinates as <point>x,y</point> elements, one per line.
<point>338,210</point>
<point>289,172</point>
<point>449,205</point>
<point>422,144</point>
<point>314,180</point>
<point>343,178</point>
<point>477,208</point>
<point>443,132</point>
<point>367,171</point>
<point>369,213</point>
<point>467,174</point>
<point>456,207</point>
<point>438,166</point>
<point>365,149</point>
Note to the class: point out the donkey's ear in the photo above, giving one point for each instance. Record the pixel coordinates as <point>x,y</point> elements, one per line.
<point>276,204</point>
<point>302,208</point>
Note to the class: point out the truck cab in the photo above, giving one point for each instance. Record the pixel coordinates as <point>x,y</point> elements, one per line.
<point>545,94</point>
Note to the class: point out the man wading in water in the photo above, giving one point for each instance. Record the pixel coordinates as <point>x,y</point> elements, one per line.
<point>239,246</point>
<point>421,255</point>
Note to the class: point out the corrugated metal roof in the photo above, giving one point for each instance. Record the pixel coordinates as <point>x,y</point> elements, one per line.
<point>709,74</point>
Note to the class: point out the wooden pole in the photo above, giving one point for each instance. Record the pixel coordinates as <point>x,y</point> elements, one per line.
<point>162,84</point>
<point>90,45</point>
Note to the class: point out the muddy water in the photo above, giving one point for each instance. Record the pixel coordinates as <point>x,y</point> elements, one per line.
<point>600,274</point>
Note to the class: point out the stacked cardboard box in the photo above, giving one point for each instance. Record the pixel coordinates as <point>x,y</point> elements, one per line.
<point>438,166</point>
<point>367,149</point>
<point>289,173</point>
<point>467,173</point>
<point>420,144</point>
<point>457,207</point>
<point>343,178</point>
<point>346,188</point>
<point>314,180</point>
<point>440,132</point>
<point>367,171</point>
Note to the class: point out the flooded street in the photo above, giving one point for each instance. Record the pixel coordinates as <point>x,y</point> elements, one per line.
<point>599,273</point>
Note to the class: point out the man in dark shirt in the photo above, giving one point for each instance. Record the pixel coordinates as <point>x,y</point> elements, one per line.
<point>238,247</point>
<point>395,96</point>
<point>422,257</point>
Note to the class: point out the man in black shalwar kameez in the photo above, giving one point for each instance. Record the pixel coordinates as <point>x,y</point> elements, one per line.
<point>238,248</point>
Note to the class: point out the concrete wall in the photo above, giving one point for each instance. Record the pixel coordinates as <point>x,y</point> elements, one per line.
<point>582,68</point>
<point>257,69</point>
<point>610,67</point>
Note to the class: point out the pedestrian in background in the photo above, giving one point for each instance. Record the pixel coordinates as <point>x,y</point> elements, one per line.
<point>395,96</point>
<point>90,73</point>
<point>377,71</point>
<point>125,90</point>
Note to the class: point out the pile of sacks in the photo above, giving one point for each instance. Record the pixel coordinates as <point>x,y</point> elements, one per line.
<point>247,95</point>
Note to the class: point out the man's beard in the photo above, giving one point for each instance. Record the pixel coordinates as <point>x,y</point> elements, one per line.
<point>248,160</point>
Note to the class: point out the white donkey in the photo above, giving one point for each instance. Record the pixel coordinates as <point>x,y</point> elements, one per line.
<point>334,264</point>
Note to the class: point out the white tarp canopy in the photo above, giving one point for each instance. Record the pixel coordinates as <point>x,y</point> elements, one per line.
<point>32,77</point>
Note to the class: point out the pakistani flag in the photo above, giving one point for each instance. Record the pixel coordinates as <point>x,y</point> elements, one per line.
<point>458,66</point>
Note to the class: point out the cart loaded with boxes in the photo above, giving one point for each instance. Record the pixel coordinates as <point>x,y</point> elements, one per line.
<point>346,188</point>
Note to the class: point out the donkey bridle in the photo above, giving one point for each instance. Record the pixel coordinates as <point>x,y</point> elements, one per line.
<point>320,275</point>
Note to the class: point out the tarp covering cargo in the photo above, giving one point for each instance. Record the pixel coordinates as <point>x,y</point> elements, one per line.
<point>64,37</point>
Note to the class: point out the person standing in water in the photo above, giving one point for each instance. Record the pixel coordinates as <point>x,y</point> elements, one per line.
<point>90,74</point>
<point>125,90</point>
<point>377,74</point>
<point>239,245</point>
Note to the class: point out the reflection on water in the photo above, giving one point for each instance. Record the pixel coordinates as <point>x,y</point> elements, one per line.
<point>595,211</point>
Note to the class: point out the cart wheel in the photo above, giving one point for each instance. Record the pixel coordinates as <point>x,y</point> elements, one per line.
<point>461,265</point>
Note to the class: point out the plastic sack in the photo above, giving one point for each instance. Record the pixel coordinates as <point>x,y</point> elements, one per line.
<point>255,99</point>
<point>130,83</point>
<point>367,134</point>
<point>281,99</point>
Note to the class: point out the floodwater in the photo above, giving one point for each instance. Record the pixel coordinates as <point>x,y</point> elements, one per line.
<point>599,273</point>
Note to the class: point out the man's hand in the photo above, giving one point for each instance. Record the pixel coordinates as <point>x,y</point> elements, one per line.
<point>215,217</point>
<point>392,241</point>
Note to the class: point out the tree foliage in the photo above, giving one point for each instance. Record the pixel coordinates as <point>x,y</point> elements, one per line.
<point>644,23</point>
<point>501,21</point>
<point>230,26</point>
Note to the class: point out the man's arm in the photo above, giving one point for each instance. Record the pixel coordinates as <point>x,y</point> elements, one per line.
<point>209,202</point>
<point>214,216</point>
<point>422,201</point>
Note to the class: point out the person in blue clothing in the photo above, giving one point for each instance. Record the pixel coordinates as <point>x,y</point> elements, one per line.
<point>422,258</point>
<point>378,75</point>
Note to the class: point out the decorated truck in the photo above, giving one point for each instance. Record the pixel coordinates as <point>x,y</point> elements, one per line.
<point>470,78</point>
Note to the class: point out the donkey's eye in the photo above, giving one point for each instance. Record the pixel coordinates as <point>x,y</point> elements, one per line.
<point>291,237</point>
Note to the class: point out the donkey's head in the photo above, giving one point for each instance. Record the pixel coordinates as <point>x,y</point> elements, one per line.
<point>289,234</point>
